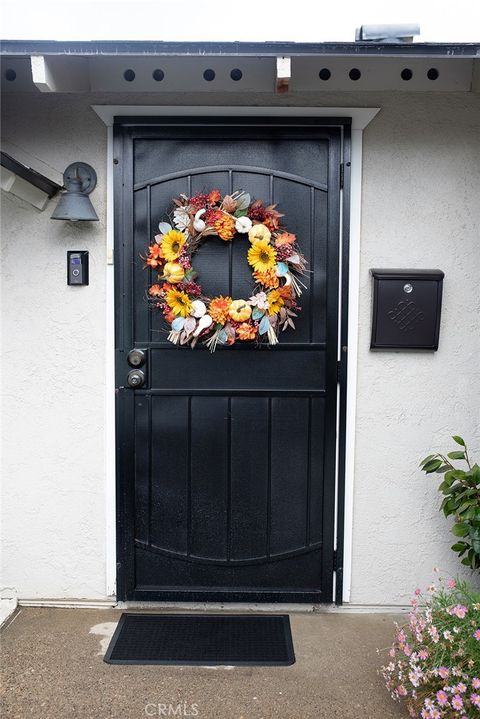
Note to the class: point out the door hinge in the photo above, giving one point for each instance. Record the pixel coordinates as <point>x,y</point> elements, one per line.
<point>342,175</point>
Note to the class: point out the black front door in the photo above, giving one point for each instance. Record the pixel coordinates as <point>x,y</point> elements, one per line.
<point>226,461</point>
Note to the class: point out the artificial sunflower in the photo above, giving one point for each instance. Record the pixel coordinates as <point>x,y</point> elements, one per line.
<point>225,227</point>
<point>267,279</point>
<point>261,256</point>
<point>275,302</point>
<point>246,331</point>
<point>218,309</point>
<point>179,302</point>
<point>172,244</point>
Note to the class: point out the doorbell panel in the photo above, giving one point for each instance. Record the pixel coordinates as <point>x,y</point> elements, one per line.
<point>77,267</point>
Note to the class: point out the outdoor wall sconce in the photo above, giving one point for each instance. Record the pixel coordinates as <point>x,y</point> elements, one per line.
<point>79,180</point>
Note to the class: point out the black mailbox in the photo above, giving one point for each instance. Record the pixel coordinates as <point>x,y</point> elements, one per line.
<point>406,309</point>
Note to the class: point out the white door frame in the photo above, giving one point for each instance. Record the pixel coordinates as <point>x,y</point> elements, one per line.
<point>361,117</point>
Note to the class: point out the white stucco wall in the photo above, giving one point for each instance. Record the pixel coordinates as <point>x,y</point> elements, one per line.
<point>421,208</point>
<point>53,371</point>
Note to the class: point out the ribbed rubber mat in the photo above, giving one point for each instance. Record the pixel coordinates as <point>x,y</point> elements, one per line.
<point>205,640</point>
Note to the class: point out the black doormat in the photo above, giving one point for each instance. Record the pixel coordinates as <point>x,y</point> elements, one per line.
<point>204,640</point>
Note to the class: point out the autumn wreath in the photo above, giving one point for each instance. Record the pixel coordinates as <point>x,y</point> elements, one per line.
<point>274,256</point>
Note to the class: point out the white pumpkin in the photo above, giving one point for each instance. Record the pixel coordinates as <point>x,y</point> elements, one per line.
<point>198,308</point>
<point>243,225</point>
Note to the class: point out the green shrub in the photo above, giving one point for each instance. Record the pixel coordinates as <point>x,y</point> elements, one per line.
<point>461,488</point>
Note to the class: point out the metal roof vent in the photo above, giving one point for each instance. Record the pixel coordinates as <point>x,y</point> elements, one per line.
<point>387,33</point>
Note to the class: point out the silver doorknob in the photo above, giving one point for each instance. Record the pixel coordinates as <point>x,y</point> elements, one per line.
<point>136,358</point>
<point>136,378</point>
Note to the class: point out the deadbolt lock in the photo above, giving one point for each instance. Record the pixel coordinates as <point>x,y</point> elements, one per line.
<point>136,378</point>
<point>136,358</point>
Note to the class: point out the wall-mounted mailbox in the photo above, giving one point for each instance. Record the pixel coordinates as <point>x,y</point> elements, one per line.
<point>406,309</point>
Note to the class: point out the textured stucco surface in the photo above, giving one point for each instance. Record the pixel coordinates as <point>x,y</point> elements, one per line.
<point>421,179</point>
<point>421,208</point>
<point>53,362</point>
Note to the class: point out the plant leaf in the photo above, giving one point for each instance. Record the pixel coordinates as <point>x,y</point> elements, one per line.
<point>264,325</point>
<point>243,202</point>
<point>456,455</point>
<point>458,440</point>
<point>460,530</point>
<point>178,323</point>
<point>432,466</point>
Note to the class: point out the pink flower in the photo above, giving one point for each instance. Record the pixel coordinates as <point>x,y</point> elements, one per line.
<point>476,634</point>
<point>443,672</point>
<point>407,650</point>
<point>475,700</point>
<point>401,690</point>
<point>451,584</point>
<point>431,589</point>
<point>418,591</point>
<point>461,688</point>
<point>414,679</point>
<point>458,610</point>
<point>435,714</point>
<point>457,702</point>
<point>476,683</point>
<point>442,697</point>
<point>423,654</point>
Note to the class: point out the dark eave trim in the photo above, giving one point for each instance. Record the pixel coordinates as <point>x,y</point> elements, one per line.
<point>32,176</point>
<point>14,48</point>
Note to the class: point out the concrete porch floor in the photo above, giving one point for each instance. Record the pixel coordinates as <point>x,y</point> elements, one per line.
<point>52,664</point>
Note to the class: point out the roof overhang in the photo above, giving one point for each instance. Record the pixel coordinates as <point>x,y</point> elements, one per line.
<point>168,67</point>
